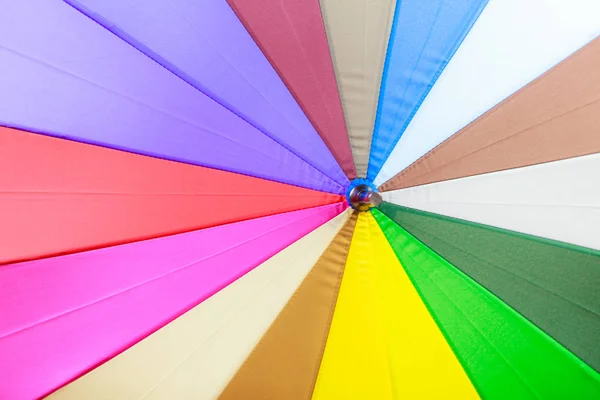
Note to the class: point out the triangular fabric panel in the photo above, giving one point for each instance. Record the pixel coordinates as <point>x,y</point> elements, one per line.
<point>511,43</point>
<point>554,285</point>
<point>70,77</point>
<point>383,344</point>
<point>554,117</point>
<point>358,33</point>
<point>292,36</point>
<point>58,196</point>
<point>505,355</point>
<point>206,45</point>
<point>424,37</point>
<point>285,362</point>
<point>557,200</point>
<point>69,314</point>
<point>196,355</point>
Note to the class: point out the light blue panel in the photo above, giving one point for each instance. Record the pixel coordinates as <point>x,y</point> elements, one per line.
<point>424,37</point>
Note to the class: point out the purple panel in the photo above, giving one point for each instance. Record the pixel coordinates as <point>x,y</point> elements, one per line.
<point>64,75</point>
<point>204,43</point>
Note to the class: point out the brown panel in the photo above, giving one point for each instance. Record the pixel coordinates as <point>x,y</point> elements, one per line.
<point>285,363</point>
<point>555,117</point>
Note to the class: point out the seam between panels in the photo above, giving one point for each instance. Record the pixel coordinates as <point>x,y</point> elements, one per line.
<point>458,355</point>
<point>411,80</point>
<point>289,300</point>
<point>512,136</point>
<point>147,52</point>
<point>508,272</point>
<point>281,272</point>
<point>383,84</point>
<point>472,283</point>
<point>134,100</point>
<point>463,34</point>
<point>346,247</point>
<point>516,311</point>
<point>161,276</point>
<point>507,232</point>
<point>251,85</point>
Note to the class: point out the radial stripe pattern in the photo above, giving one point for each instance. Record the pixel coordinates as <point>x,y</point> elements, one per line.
<point>141,286</point>
<point>242,312</point>
<point>292,36</point>
<point>299,199</point>
<point>554,200</point>
<point>111,197</point>
<point>369,351</point>
<point>527,272</point>
<point>505,355</point>
<point>286,361</point>
<point>555,117</point>
<point>488,67</point>
<point>93,87</point>
<point>436,28</point>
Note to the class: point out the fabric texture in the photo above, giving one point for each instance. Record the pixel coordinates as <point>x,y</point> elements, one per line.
<point>553,118</point>
<point>358,33</point>
<point>552,284</point>
<point>370,352</point>
<point>195,355</point>
<point>71,78</point>
<point>504,353</point>
<point>206,45</point>
<point>436,29</point>
<point>284,364</point>
<point>556,200</point>
<point>119,295</point>
<point>58,196</point>
<point>292,36</point>
<point>512,43</point>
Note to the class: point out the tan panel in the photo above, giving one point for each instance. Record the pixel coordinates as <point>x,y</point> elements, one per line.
<point>284,365</point>
<point>555,117</point>
<point>358,32</point>
<point>196,355</point>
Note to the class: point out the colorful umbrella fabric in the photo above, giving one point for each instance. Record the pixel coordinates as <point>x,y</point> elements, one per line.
<point>299,199</point>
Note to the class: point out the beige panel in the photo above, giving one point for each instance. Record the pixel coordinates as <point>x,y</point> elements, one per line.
<point>358,32</point>
<point>196,355</point>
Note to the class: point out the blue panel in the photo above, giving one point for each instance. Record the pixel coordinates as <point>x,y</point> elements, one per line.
<point>424,37</point>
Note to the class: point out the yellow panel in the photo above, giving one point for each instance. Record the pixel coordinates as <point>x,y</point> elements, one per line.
<point>383,343</point>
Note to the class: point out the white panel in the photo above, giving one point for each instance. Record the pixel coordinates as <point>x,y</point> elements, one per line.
<point>512,43</point>
<point>196,355</point>
<point>558,200</point>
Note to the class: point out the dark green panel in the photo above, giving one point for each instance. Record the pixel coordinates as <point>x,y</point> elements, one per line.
<point>555,285</point>
<point>504,354</point>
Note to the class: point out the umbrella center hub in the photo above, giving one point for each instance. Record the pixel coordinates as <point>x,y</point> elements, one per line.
<point>362,195</point>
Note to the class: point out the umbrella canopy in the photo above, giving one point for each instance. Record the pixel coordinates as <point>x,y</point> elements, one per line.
<point>323,199</point>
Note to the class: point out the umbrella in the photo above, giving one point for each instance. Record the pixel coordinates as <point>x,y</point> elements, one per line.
<point>299,199</point>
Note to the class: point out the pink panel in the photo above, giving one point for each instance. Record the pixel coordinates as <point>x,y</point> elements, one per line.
<point>63,316</point>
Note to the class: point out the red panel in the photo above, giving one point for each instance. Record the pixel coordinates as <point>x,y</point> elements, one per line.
<point>58,196</point>
<point>292,36</point>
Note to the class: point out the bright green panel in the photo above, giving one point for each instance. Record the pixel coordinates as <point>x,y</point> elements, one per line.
<point>505,355</point>
<point>553,284</point>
